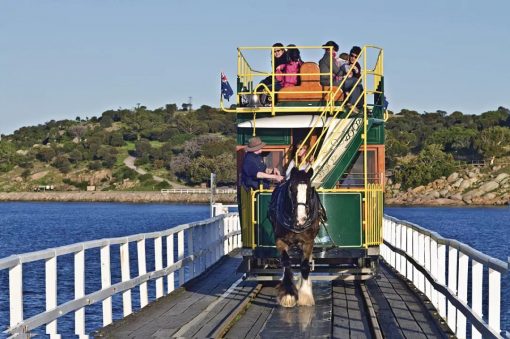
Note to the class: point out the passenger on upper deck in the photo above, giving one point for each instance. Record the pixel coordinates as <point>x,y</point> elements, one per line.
<point>328,64</point>
<point>304,166</point>
<point>255,171</point>
<point>280,58</point>
<point>352,78</point>
<point>291,67</point>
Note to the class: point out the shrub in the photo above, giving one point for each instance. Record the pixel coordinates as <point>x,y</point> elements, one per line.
<point>163,184</point>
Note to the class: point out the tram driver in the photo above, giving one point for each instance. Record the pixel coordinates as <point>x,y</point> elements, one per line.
<point>254,170</point>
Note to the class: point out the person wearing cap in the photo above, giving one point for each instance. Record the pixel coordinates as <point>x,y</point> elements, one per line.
<point>254,170</point>
<point>352,78</point>
<point>328,64</point>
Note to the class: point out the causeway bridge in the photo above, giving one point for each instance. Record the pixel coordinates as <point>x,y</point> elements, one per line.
<point>182,282</point>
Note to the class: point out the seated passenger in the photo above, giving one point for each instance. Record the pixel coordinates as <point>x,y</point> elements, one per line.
<point>280,58</point>
<point>291,67</point>
<point>304,166</point>
<point>352,78</point>
<point>254,170</point>
<point>342,59</point>
<point>328,64</point>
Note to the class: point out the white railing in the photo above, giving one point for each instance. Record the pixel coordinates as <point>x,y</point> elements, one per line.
<point>439,268</point>
<point>206,242</point>
<point>198,190</point>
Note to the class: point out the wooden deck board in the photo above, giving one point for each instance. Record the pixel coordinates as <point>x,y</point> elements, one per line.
<point>255,317</point>
<point>399,310</point>
<point>339,311</point>
<point>167,315</point>
<point>210,323</point>
<point>348,311</point>
<point>302,322</point>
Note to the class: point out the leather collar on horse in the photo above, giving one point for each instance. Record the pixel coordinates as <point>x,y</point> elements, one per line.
<point>282,208</point>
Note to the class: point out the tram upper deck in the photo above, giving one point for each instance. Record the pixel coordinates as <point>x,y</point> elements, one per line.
<point>310,95</point>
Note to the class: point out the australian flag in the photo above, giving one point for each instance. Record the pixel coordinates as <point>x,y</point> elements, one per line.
<point>226,90</point>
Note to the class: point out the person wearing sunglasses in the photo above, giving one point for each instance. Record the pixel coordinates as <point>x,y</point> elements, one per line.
<point>280,58</point>
<point>351,80</point>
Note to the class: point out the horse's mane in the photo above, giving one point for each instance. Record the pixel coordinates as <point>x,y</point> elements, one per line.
<point>282,209</point>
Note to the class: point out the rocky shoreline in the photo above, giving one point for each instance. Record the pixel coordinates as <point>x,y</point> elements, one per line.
<point>470,186</point>
<point>112,196</point>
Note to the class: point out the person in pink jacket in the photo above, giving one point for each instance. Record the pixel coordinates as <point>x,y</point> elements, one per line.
<point>291,67</point>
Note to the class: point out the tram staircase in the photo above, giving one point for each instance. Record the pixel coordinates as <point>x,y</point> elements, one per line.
<point>338,150</point>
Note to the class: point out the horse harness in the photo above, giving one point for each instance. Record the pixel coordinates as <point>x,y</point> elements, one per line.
<point>280,212</point>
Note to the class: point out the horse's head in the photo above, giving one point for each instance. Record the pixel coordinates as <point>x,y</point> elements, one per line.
<point>300,193</point>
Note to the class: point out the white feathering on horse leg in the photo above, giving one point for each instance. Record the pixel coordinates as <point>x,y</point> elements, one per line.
<point>305,293</point>
<point>288,300</point>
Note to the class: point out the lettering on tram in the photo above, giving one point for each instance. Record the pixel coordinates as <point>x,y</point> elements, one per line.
<point>310,163</point>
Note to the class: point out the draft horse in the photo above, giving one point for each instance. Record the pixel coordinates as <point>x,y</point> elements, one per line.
<point>296,213</point>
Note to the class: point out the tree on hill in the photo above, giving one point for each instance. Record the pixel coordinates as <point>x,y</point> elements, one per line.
<point>430,164</point>
<point>493,142</point>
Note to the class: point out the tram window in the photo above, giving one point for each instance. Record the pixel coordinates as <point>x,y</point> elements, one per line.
<point>354,176</point>
<point>274,158</point>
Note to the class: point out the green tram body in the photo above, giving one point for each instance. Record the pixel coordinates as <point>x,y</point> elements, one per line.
<point>350,189</point>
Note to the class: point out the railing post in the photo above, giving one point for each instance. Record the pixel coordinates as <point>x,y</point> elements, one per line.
<point>403,259</point>
<point>210,247</point>
<point>230,237</point>
<point>494,299</point>
<point>398,244</point>
<point>79,291</point>
<point>463,292</point>
<point>428,285</point>
<point>409,273</point>
<point>191,265</point>
<point>452,285</point>
<point>170,261</point>
<point>142,269</point>
<point>225,236</point>
<point>219,240</point>
<point>238,229</point>
<point>180,255</point>
<point>158,264</point>
<point>433,269</point>
<point>105,283</point>
<point>421,260</point>
<point>441,278</point>
<point>476,294</point>
<point>16,294</point>
<point>51,292</point>
<point>416,251</point>
<point>125,276</point>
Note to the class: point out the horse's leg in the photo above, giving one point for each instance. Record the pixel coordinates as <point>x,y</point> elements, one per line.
<point>286,291</point>
<point>305,290</point>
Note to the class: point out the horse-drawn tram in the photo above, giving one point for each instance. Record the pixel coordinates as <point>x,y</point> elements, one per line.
<point>325,134</point>
<point>331,126</point>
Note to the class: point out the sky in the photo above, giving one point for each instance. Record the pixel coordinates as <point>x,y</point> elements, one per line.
<point>66,58</point>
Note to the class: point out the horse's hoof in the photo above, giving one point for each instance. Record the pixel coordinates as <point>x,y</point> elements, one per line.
<point>306,294</point>
<point>306,300</point>
<point>287,300</point>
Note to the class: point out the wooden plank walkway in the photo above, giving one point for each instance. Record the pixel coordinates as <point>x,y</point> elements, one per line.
<point>201,307</point>
<point>173,315</point>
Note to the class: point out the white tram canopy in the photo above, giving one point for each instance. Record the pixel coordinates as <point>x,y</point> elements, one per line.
<point>287,121</point>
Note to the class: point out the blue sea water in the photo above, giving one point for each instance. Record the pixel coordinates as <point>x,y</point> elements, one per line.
<point>26,227</point>
<point>486,229</point>
<point>32,226</point>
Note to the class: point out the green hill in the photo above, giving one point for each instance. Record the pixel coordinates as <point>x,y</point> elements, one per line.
<point>169,147</point>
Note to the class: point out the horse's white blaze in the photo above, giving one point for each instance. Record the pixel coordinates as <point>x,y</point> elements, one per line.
<point>301,199</point>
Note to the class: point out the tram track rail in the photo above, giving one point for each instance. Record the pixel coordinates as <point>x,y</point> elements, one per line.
<point>371,330</point>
